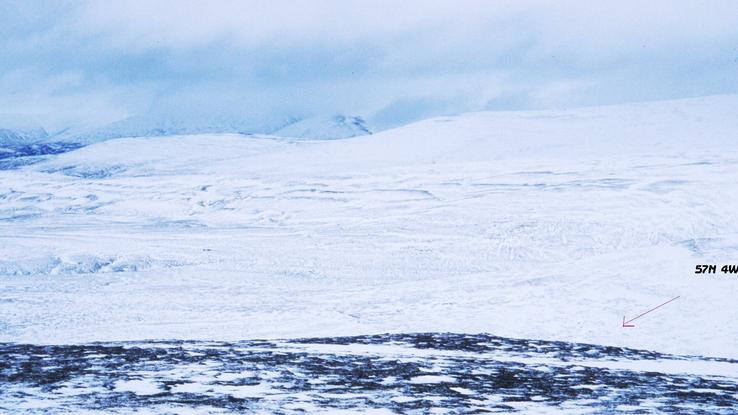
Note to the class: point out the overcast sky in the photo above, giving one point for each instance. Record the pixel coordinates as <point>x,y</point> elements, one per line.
<point>391,61</point>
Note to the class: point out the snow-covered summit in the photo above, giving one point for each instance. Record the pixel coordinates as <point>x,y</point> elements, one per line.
<point>325,128</point>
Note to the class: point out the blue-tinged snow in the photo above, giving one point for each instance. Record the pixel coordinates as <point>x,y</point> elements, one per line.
<point>18,131</point>
<point>551,224</point>
<point>158,124</point>
<point>325,128</point>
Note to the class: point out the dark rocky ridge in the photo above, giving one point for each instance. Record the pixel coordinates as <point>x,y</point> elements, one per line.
<point>398,373</point>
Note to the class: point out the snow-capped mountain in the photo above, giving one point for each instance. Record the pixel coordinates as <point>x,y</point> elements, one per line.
<point>16,131</point>
<point>13,137</point>
<point>23,143</point>
<point>157,125</point>
<point>325,128</point>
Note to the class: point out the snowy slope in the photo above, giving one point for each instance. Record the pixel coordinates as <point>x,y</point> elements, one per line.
<point>549,225</point>
<point>157,125</point>
<point>325,128</point>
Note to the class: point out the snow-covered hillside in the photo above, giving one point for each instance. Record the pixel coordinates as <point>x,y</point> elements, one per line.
<point>325,128</point>
<point>550,225</point>
<point>157,125</point>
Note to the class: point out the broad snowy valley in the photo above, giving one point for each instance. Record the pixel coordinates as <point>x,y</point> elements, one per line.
<point>549,226</point>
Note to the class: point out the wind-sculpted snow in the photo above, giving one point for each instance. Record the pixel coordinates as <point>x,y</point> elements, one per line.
<point>399,373</point>
<point>53,265</point>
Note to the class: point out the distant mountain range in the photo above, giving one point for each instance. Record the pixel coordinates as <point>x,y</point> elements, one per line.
<point>16,132</point>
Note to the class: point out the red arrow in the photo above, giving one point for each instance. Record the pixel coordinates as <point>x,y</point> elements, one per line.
<point>625,323</point>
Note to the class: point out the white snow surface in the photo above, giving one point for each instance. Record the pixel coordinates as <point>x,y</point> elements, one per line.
<point>547,225</point>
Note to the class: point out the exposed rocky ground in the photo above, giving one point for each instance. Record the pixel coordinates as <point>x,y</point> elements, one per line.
<point>23,155</point>
<point>398,373</point>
